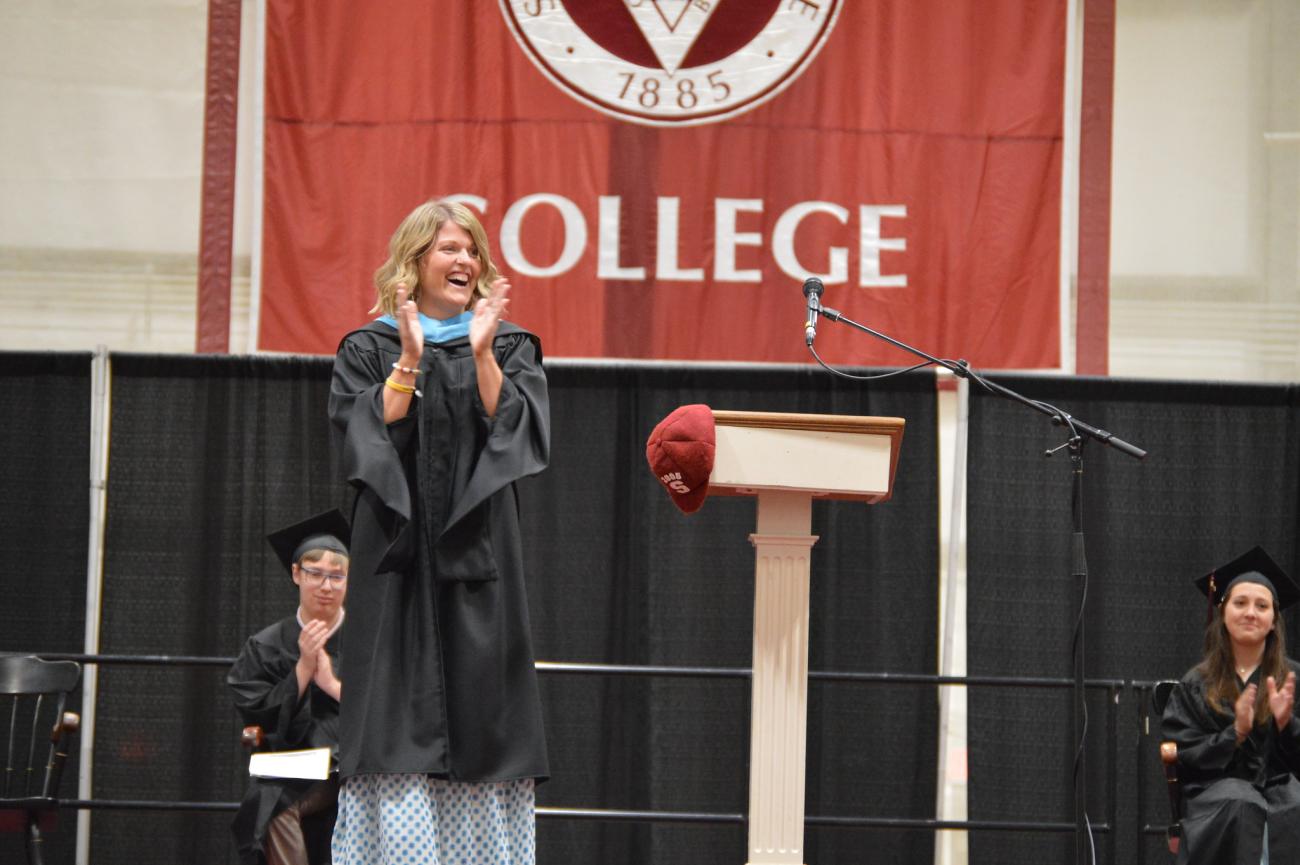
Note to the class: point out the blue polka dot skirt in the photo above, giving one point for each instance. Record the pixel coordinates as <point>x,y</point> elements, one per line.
<point>401,819</point>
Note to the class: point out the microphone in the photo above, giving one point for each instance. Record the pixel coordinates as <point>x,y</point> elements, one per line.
<point>812,289</point>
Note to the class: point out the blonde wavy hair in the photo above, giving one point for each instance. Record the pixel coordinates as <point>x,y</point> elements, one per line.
<point>412,240</point>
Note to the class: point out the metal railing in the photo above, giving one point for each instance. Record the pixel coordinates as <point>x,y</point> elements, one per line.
<point>1113,688</point>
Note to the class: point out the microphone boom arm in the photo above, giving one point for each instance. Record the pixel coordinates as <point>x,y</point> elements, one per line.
<point>962,369</point>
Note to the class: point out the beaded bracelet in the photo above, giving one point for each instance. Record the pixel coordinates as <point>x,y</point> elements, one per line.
<point>401,388</point>
<point>406,369</point>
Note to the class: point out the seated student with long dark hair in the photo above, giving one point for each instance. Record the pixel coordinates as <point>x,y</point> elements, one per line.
<point>1233,718</point>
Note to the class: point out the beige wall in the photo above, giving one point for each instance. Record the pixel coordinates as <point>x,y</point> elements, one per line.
<point>1205,251</point>
<point>101,104</point>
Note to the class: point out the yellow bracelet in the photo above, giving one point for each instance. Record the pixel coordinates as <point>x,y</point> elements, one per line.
<point>401,388</point>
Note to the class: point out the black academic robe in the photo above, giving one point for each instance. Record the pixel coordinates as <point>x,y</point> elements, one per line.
<point>265,689</point>
<point>438,654</point>
<point>1230,791</point>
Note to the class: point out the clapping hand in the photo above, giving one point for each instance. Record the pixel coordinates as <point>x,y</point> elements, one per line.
<point>488,312</point>
<point>1281,701</point>
<point>408,326</point>
<point>1245,711</point>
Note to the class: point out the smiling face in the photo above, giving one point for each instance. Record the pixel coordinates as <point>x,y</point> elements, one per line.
<point>448,272</point>
<point>1248,614</point>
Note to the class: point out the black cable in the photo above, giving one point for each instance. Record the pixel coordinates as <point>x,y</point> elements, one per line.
<point>1083,713</point>
<point>835,371</point>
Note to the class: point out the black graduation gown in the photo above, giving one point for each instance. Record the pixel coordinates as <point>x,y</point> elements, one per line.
<point>265,689</point>
<point>438,655</point>
<point>1231,790</point>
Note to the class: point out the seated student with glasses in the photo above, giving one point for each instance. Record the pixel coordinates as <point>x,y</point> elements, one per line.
<point>284,681</point>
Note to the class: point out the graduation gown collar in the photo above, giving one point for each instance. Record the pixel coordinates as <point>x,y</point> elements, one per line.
<point>377,328</point>
<point>437,330</point>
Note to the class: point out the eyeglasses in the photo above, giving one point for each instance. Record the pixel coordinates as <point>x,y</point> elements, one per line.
<point>315,576</point>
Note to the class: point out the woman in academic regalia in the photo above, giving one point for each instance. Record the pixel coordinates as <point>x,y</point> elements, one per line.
<point>1233,718</point>
<point>440,406</point>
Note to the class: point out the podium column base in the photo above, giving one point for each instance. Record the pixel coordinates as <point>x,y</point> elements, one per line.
<point>778,721</point>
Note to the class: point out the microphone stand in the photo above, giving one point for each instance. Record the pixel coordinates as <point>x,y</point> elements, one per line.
<point>1080,432</point>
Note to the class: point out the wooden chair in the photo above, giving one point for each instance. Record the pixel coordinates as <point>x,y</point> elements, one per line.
<point>252,737</point>
<point>33,699</point>
<point>317,828</point>
<point>1169,757</point>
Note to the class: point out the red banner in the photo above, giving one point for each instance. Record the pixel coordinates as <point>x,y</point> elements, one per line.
<point>658,177</point>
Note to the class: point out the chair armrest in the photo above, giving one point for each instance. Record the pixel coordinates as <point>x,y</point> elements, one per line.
<point>1169,756</point>
<point>67,725</point>
<point>70,722</point>
<point>252,737</point>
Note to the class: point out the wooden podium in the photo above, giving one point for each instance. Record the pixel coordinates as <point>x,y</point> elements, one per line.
<point>786,460</point>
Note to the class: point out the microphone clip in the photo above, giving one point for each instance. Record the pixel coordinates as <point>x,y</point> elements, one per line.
<point>812,290</point>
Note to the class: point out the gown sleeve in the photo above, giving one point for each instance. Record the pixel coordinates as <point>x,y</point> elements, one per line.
<point>265,689</point>
<point>371,450</point>
<point>1207,741</point>
<point>519,436</point>
<point>1288,739</point>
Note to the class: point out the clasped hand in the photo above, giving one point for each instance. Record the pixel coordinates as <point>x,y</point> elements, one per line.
<point>314,664</point>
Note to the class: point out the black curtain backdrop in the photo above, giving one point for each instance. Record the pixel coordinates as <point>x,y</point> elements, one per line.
<point>45,509</point>
<point>623,577</point>
<point>207,455</point>
<point>210,453</point>
<point>44,518</point>
<point>1221,477</point>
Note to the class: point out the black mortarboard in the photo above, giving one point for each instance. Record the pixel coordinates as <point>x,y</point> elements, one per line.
<point>1255,566</point>
<point>324,531</point>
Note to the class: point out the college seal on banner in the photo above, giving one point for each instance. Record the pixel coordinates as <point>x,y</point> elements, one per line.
<point>671,62</point>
